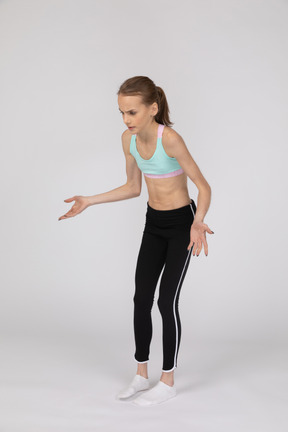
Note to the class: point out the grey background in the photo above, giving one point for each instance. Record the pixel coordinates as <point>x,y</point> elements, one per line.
<point>67,287</point>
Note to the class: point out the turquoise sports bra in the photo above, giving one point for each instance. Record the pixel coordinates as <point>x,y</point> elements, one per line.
<point>160,165</point>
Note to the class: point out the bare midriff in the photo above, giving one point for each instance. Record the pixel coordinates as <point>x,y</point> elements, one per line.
<point>168,193</point>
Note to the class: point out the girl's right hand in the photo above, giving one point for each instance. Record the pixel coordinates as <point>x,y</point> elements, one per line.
<point>81,203</point>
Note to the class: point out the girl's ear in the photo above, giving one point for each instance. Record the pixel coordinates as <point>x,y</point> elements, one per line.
<point>155,108</point>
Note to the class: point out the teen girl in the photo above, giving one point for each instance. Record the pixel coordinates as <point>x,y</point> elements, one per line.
<point>174,227</point>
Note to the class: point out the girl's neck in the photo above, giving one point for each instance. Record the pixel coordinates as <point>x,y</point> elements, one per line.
<point>148,135</point>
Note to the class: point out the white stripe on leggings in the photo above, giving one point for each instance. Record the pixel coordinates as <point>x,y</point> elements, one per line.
<point>189,253</point>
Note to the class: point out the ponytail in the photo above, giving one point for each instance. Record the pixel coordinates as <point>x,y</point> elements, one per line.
<point>163,109</point>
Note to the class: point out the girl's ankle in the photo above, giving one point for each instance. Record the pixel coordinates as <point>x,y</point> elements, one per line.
<point>143,374</point>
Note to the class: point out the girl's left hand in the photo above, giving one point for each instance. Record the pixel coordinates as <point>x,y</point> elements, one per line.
<point>198,238</point>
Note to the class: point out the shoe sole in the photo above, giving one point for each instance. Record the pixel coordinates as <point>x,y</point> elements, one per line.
<point>128,397</point>
<point>158,403</point>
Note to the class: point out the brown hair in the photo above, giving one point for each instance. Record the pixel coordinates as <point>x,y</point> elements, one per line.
<point>144,86</point>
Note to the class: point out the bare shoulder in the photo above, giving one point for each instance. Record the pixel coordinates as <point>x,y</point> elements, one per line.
<point>175,146</point>
<point>126,139</point>
<point>171,141</point>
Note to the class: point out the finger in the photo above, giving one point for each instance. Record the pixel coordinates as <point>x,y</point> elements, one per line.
<point>190,245</point>
<point>194,249</point>
<point>70,213</point>
<point>199,248</point>
<point>64,217</point>
<point>69,199</point>
<point>209,230</point>
<point>205,246</point>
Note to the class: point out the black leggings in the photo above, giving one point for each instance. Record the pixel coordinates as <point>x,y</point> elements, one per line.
<point>165,239</point>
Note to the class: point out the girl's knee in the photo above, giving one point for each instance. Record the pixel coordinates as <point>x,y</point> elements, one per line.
<point>165,304</point>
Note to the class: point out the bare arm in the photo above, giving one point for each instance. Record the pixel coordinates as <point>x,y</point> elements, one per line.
<point>131,189</point>
<point>177,147</point>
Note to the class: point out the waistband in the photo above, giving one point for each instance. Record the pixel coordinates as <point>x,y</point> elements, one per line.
<point>180,210</point>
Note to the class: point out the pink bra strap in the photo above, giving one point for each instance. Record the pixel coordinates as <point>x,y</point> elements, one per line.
<point>160,130</point>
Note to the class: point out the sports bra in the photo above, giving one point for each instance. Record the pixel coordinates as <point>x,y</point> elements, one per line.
<point>160,165</point>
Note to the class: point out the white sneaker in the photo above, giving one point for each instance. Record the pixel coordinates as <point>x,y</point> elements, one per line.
<point>139,383</point>
<point>161,392</point>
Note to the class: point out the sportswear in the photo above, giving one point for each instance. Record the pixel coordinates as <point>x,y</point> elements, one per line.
<point>139,383</point>
<point>161,392</point>
<point>160,165</point>
<point>165,240</point>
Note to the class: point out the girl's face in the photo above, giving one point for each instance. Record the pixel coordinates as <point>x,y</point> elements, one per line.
<point>135,114</point>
